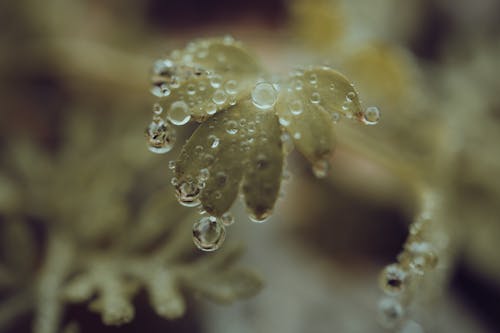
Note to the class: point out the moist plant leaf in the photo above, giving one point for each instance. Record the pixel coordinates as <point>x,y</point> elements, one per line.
<point>262,178</point>
<point>311,131</point>
<point>214,147</point>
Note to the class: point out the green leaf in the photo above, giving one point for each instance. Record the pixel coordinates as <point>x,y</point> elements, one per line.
<point>262,178</point>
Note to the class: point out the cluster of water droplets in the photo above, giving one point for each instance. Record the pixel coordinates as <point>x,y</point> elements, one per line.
<point>401,280</point>
<point>160,135</point>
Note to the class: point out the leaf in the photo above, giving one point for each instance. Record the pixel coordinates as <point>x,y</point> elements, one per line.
<point>311,129</point>
<point>262,178</point>
<point>214,149</point>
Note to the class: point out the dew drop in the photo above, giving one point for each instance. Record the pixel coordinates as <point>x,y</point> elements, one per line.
<point>335,117</point>
<point>287,143</point>
<point>208,233</point>
<point>213,141</point>
<point>160,136</point>
<point>157,109</point>
<point>351,95</point>
<point>210,108</point>
<point>219,97</point>
<point>315,98</point>
<point>284,121</point>
<point>393,280</point>
<point>179,113</point>
<point>187,194</point>
<point>297,85</point>
<point>231,87</point>
<point>264,95</point>
<point>227,219</point>
<point>204,173</point>
<point>231,127</point>
<point>215,81</point>
<point>390,312</point>
<point>174,82</point>
<point>313,79</point>
<point>191,89</point>
<point>332,86</point>
<point>320,168</point>
<point>297,135</point>
<point>295,107</point>
<point>371,116</point>
<point>171,165</point>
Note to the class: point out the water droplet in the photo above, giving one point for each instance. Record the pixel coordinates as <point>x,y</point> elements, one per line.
<point>219,97</point>
<point>213,141</point>
<point>335,117</point>
<point>227,219</point>
<point>371,116</point>
<point>287,143</point>
<point>263,217</point>
<point>215,81</point>
<point>320,168</point>
<point>231,87</point>
<point>174,181</point>
<point>204,173</point>
<point>297,85</point>
<point>210,108</point>
<point>332,86</point>
<point>228,39</point>
<point>171,165</point>
<point>157,109</point>
<point>202,87</point>
<point>351,95</point>
<point>208,233</point>
<point>393,279</point>
<point>160,136</point>
<point>187,194</point>
<point>202,54</point>
<point>295,107</point>
<point>191,89</point>
<point>264,95</point>
<point>422,257</point>
<point>174,82</point>
<point>390,312</point>
<point>315,98</point>
<point>179,113</point>
<point>284,121</point>
<point>231,127</point>
<point>313,79</point>
<point>297,135</point>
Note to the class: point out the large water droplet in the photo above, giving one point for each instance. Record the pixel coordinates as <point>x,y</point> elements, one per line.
<point>264,95</point>
<point>208,233</point>
<point>179,113</point>
<point>371,116</point>
<point>160,136</point>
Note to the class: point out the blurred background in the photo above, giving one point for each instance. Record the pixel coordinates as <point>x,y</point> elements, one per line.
<point>74,102</point>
